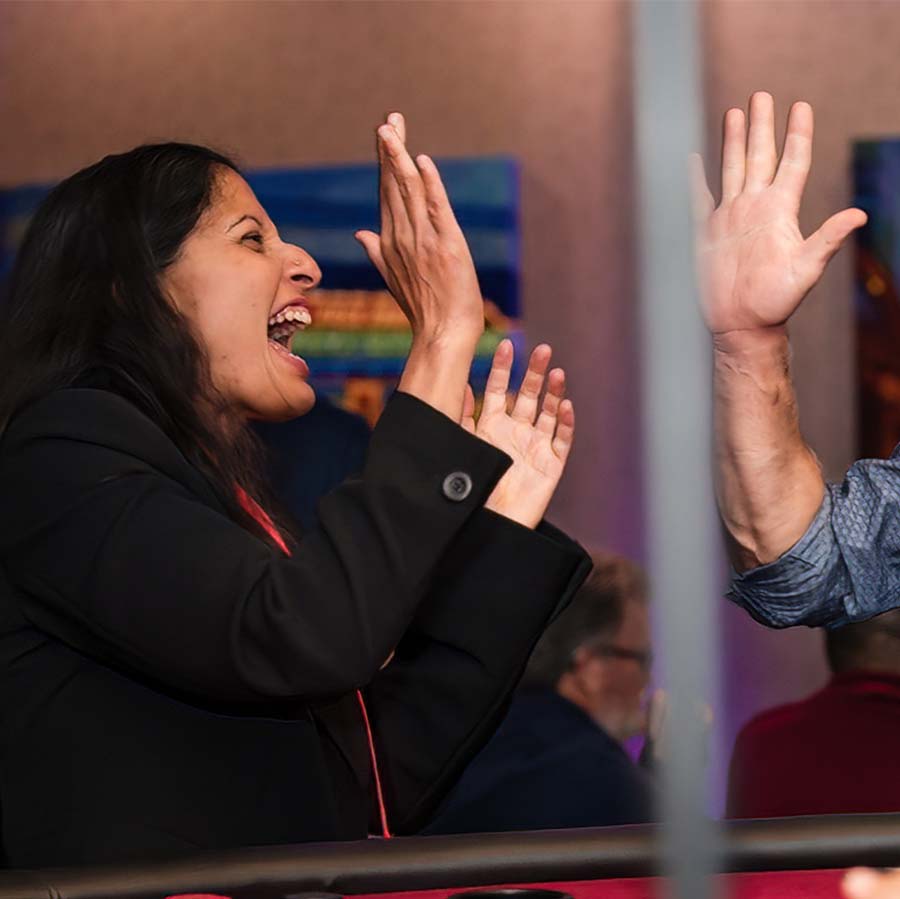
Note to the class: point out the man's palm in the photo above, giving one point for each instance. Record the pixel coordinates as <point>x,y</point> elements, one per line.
<point>754,265</point>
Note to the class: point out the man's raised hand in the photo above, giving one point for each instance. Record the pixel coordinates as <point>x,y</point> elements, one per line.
<point>754,265</point>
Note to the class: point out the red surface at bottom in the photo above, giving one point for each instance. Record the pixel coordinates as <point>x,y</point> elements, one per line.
<point>762,885</point>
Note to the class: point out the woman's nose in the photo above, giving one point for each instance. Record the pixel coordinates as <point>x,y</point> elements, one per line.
<point>301,268</point>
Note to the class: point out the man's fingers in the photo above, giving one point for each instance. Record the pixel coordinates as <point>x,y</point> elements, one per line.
<point>702,202</point>
<point>526,405</point>
<point>797,157</point>
<point>565,430</point>
<point>761,151</point>
<point>824,243</point>
<point>498,380</point>
<point>734,153</point>
<point>468,413</point>
<point>556,389</point>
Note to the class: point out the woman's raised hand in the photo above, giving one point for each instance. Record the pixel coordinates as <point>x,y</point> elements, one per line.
<point>423,257</point>
<point>421,252</point>
<point>754,265</point>
<point>536,434</point>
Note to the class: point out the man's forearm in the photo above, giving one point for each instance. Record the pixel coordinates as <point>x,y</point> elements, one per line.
<point>768,481</point>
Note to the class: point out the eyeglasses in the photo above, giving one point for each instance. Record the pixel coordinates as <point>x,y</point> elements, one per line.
<point>644,658</point>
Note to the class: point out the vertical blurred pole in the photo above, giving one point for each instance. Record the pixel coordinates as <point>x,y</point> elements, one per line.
<point>676,403</point>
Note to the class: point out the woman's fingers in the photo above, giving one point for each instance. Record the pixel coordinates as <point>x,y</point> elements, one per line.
<point>797,156</point>
<point>436,200</point>
<point>556,389</point>
<point>389,197</point>
<point>526,405</point>
<point>734,153</point>
<point>393,209</point>
<point>468,413</point>
<point>371,243</point>
<point>498,380</point>
<point>565,430</point>
<point>409,185</point>
<point>437,203</point>
<point>761,151</point>
<point>398,122</point>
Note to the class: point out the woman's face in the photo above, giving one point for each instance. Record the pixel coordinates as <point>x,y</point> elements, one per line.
<point>242,289</point>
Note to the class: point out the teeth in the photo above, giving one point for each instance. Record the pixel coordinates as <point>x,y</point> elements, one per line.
<point>286,323</point>
<point>297,314</point>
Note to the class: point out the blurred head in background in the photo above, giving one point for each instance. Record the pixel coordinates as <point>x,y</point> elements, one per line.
<point>872,645</point>
<point>597,654</point>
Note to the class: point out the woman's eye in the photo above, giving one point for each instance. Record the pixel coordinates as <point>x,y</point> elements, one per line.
<point>255,237</point>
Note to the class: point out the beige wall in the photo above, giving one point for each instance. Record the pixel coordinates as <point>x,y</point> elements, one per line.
<point>282,83</point>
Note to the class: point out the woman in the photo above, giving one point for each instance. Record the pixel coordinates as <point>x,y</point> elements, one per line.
<point>177,674</point>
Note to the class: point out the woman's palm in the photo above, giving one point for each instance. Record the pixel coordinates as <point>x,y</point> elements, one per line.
<point>536,435</point>
<point>531,450</point>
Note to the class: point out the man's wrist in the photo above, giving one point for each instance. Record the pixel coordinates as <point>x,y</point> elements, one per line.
<point>750,342</point>
<point>762,355</point>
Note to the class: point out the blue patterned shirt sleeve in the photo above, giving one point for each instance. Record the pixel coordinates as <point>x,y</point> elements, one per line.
<point>846,567</point>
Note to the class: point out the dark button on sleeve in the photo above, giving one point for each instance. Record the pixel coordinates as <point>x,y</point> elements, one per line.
<point>457,486</point>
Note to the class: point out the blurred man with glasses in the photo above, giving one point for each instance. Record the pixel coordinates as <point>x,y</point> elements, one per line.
<point>559,759</point>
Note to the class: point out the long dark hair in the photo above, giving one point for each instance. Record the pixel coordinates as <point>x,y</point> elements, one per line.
<point>84,296</point>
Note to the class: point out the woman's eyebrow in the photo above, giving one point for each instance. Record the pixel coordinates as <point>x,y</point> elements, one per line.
<point>244,218</point>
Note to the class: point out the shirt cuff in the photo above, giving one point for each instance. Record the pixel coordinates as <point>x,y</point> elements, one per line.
<point>796,588</point>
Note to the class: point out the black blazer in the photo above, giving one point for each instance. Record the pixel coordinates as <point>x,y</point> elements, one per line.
<point>311,455</point>
<point>169,682</point>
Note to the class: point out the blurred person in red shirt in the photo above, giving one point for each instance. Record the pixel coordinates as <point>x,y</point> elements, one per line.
<point>835,751</point>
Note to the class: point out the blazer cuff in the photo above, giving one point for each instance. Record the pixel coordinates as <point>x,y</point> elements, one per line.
<point>532,576</point>
<point>434,453</point>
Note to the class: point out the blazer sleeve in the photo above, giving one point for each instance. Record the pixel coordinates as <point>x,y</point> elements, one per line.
<point>447,689</point>
<point>126,564</point>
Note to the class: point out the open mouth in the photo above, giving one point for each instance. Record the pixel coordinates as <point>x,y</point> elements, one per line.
<point>283,326</point>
